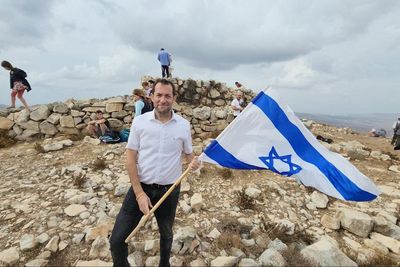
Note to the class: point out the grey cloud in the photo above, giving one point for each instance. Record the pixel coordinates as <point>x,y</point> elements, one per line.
<point>24,22</point>
<point>223,35</point>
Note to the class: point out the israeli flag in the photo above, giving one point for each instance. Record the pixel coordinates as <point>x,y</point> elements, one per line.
<point>268,136</point>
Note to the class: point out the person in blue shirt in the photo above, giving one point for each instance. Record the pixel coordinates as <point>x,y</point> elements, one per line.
<point>141,103</point>
<point>165,59</point>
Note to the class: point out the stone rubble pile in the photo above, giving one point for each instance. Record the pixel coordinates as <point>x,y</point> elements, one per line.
<point>47,214</point>
<point>204,103</point>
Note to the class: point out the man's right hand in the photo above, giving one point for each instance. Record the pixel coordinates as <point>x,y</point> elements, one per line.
<point>144,204</point>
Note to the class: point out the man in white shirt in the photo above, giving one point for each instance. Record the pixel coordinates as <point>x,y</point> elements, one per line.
<point>156,143</point>
<point>237,103</point>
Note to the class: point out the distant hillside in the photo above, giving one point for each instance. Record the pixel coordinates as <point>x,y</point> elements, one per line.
<point>362,123</point>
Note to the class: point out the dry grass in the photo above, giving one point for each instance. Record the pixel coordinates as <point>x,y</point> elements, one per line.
<point>244,201</point>
<point>38,147</point>
<point>76,137</point>
<point>231,225</point>
<point>379,260</point>
<point>5,140</point>
<point>59,259</point>
<point>99,164</point>
<point>275,230</point>
<point>293,257</point>
<point>228,240</point>
<point>231,230</point>
<point>79,181</point>
<point>225,173</point>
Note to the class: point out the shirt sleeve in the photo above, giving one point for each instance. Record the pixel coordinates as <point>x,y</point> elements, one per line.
<point>133,140</point>
<point>187,145</point>
<point>138,108</point>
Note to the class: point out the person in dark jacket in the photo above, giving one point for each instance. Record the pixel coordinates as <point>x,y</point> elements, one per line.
<point>18,83</point>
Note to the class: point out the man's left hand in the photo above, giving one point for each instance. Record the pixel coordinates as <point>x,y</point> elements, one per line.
<point>195,164</point>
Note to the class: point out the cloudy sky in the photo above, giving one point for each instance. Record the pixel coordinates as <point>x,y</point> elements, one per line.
<point>330,57</point>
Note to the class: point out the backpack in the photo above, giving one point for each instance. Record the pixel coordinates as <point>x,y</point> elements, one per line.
<point>124,135</point>
<point>110,137</point>
<point>147,106</point>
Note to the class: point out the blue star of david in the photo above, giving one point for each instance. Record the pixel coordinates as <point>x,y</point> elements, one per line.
<point>273,155</point>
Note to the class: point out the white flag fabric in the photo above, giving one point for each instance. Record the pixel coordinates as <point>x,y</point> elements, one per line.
<point>267,135</point>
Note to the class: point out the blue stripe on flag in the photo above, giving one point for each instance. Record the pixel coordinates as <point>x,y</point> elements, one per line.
<point>348,189</point>
<point>216,152</point>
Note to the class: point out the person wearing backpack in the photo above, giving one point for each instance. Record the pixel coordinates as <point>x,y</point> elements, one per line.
<point>396,132</point>
<point>18,84</point>
<point>141,103</point>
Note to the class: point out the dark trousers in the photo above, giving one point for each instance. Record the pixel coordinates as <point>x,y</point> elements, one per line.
<point>130,215</point>
<point>165,70</point>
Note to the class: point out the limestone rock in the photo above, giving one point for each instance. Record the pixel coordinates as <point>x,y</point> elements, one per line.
<point>6,124</point>
<point>92,141</point>
<point>252,192</point>
<point>100,248</point>
<point>391,243</point>
<point>278,245</point>
<point>197,263</point>
<point>247,262</point>
<point>121,189</point>
<point>27,242</point>
<point>74,210</point>
<point>324,253</point>
<point>202,113</point>
<point>135,259</point>
<point>320,200</point>
<point>54,118</point>
<point>52,245</point>
<point>152,261</point>
<point>9,256</point>
<point>356,222</point>
<point>196,201</point>
<point>389,190</point>
<point>40,113</point>
<point>94,263</point>
<point>53,147</point>
<point>61,108</point>
<point>224,261</point>
<point>37,263</point>
<point>47,128</point>
<point>331,222</point>
<point>271,257</point>
<point>67,121</point>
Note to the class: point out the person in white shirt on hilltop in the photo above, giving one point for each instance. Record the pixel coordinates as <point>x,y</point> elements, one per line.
<point>237,103</point>
<point>156,143</point>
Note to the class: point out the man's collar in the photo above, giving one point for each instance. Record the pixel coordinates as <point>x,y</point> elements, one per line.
<point>153,116</point>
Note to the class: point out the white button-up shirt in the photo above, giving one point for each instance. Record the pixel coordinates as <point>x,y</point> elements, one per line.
<point>160,147</point>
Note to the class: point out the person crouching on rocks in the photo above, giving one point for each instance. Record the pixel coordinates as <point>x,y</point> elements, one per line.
<point>18,84</point>
<point>99,126</point>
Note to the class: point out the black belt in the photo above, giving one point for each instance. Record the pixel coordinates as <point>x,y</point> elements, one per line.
<point>157,186</point>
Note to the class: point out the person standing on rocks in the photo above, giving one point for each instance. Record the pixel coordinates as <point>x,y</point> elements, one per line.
<point>18,84</point>
<point>165,59</point>
<point>237,103</point>
<point>156,143</point>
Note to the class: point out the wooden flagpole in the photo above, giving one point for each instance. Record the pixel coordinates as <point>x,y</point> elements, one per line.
<point>144,218</point>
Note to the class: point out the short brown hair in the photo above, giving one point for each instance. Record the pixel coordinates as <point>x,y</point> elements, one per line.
<point>164,82</point>
<point>6,64</point>
<point>145,84</point>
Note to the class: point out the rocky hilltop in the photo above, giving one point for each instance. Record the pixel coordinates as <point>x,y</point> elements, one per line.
<point>58,205</point>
